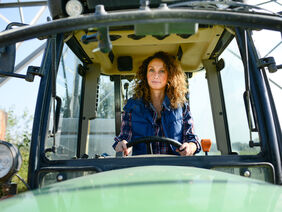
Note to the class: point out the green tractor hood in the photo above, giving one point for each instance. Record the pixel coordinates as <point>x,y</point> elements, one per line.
<point>152,188</point>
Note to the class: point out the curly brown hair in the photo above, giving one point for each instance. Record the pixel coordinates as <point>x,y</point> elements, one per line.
<point>176,88</point>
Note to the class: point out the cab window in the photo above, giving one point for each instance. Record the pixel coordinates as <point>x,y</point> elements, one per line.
<point>68,89</point>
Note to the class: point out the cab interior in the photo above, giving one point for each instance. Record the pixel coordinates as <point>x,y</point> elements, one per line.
<point>193,51</point>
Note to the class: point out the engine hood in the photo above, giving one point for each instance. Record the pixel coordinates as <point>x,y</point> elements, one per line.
<point>152,188</point>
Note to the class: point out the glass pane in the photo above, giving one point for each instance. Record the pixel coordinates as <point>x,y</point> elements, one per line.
<point>271,48</point>
<point>200,107</point>
<point>126,90</point>
<point>102,128</point>
<point>233,83</point>
<point>68,90</point>
<point>106,108</point>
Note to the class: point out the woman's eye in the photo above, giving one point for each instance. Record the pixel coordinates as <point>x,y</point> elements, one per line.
<point>162,71</point>
<point>151,70</point>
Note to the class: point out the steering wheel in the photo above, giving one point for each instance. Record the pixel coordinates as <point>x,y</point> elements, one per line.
<point>150,139</point>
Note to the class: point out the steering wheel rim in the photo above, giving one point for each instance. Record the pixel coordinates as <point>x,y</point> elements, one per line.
<point>151,139</point>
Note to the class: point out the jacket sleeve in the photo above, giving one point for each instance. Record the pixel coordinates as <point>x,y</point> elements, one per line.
<point>125,130</point>
<point>188,128</point>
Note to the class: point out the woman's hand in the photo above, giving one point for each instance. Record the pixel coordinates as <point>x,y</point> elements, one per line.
<point>121,147</point>
<point>187,149</point>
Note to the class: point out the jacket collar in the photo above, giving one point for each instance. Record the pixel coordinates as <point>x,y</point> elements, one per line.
<point>166,103</point>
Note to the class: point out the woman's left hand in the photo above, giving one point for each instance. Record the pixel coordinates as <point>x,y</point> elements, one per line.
<point>187,149</point>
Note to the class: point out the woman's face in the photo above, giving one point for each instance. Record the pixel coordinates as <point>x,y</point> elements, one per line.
<point>157,74</point>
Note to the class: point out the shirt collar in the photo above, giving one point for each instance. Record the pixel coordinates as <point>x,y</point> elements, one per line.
<point>166,104</point>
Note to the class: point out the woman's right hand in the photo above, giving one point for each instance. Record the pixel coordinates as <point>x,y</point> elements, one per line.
<point>121,147</point>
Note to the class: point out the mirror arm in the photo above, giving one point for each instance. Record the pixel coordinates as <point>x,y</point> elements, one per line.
<point>31,72</point>
<point>9,74</point>
<point>29,77</point>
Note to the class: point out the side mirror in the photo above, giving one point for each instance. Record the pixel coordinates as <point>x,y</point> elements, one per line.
<point>8,55</point>
<point>7,59</point>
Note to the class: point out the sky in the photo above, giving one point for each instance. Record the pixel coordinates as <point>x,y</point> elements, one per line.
<point>21,95</point>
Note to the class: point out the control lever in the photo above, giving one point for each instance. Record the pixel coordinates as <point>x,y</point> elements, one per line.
<point>206,145</point>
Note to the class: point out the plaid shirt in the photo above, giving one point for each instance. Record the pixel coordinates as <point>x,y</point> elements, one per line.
<point>159,147</point>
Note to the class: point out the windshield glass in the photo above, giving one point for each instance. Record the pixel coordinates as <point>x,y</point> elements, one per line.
<point>233,82</point>
<point>102,127</point>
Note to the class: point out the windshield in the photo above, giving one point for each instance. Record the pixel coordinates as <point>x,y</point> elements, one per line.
<point>102,126</point>
<point>233,87</point>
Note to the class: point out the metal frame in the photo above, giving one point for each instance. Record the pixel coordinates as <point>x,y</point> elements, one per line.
<point>218,106</point>
<point>251,21</point>
<point>23,4</point>
<point>88,107</point>
<point>117,97</point>
<point>42,111</point>
<point>260,97</point>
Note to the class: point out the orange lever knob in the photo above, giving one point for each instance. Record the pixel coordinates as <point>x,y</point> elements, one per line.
<point>206,144</point>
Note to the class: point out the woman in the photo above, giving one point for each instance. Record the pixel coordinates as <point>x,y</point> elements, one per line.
<point>158,108</point>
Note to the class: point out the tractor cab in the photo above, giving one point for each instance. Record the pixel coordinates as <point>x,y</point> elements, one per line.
<point>230,52</point>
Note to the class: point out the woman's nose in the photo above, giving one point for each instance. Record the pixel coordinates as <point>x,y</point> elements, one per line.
<point>156,75</point>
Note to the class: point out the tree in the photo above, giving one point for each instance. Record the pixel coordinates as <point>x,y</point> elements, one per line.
<point>18,129</point>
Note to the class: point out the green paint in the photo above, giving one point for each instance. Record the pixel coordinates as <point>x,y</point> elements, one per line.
<point>152,188</point>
